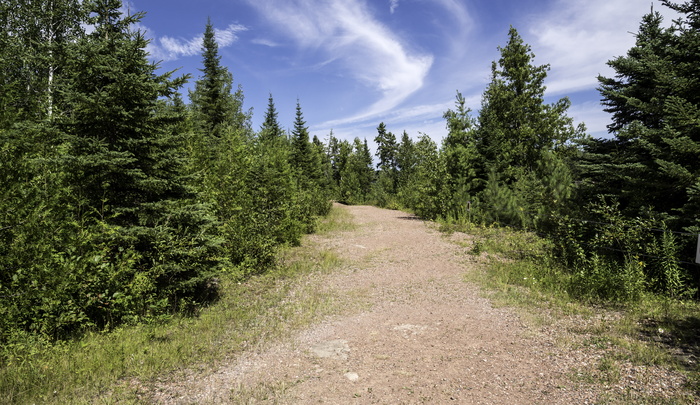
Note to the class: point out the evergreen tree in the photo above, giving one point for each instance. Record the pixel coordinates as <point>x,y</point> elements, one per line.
<point>518,135</point>
<point>654,99</point>
<point>270,127</point>
<point>386,149</point>
<point>405,160</point>
<point>127,175</point>
<point>322,163</point>
<point>515,125</point>
<point>305,159</point>
<point>214,103</point>
<point>365,167</point>
<point>462,162</point>
<point>422,191</point>
<point>385,187</point>
<point>356,172</point>
<point>336,158</point>
<point>302,158</point>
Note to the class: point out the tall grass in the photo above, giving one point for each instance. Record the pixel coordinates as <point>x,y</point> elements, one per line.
<point>520,270</point>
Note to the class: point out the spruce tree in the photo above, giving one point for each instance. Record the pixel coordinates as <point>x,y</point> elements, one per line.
<point>126,168</point>
<point>654,101</point>
<point>462,161</point>
<point>365,168</point>
<point>422,189</point>
<point>215,104</point>
<point>518,134</point>
<point>302,158</point>
<point>213,90</point>
<point>323,164</point>
<point>356,172</point>
<point>405,160</point>
<point>386,149</point>
<point>337,158</point>
<point>386,152</point>
<point>270,129</point>
<point>515,125</point>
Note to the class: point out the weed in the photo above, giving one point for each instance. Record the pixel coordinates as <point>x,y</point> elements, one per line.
<point>622,321</point>
<point>263,392</point>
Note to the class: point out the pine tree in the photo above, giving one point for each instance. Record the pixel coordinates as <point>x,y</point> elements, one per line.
<point>270,129</point>
<point>518,133</point>
<point>302,159</point>
<point>214,103</point>
<point>461,159</point>
<point>515,124</point>
<point>654,101</point>
<point>127,174</point>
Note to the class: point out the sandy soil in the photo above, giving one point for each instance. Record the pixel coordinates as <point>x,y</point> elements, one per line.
<point>424,336</point>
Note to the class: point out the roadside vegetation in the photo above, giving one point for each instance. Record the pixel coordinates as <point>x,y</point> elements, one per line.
<point>125,206</point>
<point>121,366</point>
<point>520,269</point>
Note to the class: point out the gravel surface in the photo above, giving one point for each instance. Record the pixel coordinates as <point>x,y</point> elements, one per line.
<point>420,335</point>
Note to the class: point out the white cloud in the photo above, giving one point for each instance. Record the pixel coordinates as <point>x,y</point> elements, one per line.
<point>348,34</point>
<point>265,42</point>
<point>426,118</point>
<point>578,38</point>
<point>592,114</point>
<point>393,5</point>
<point>458,12</point>
<point>168,48</point>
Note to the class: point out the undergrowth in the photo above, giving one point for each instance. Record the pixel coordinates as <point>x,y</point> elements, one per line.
<point>520,270</point>
<point>120,366</point>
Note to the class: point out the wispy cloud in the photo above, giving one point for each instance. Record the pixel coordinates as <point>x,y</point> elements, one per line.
<point>265,42</point>
<point>593,116</point>
<point>458,12</point>
<point>578,38</point>
<point>346,32</point>
<point>168,48</point>
<point>419,112</point>
<point>393,5</point>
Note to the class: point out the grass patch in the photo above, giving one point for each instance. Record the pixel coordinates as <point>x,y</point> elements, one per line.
<point>122,366</point>
<point>338,219</point>
<point>518,270</point>
<point>263,392</point>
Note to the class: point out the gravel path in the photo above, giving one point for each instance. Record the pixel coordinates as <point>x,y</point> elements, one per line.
<point>424,335</point>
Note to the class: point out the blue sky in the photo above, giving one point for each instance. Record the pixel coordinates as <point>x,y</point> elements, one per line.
<point>355,63</point>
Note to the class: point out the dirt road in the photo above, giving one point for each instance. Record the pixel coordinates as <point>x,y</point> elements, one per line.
<point>423,335</point>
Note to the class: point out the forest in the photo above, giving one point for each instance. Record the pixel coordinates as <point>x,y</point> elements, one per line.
<point>122,201</point>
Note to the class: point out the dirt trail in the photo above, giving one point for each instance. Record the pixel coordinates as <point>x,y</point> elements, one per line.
<point>425,337</point>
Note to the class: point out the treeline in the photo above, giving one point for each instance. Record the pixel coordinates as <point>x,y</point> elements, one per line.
<point>119,203</point>
<point>622,213</point>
